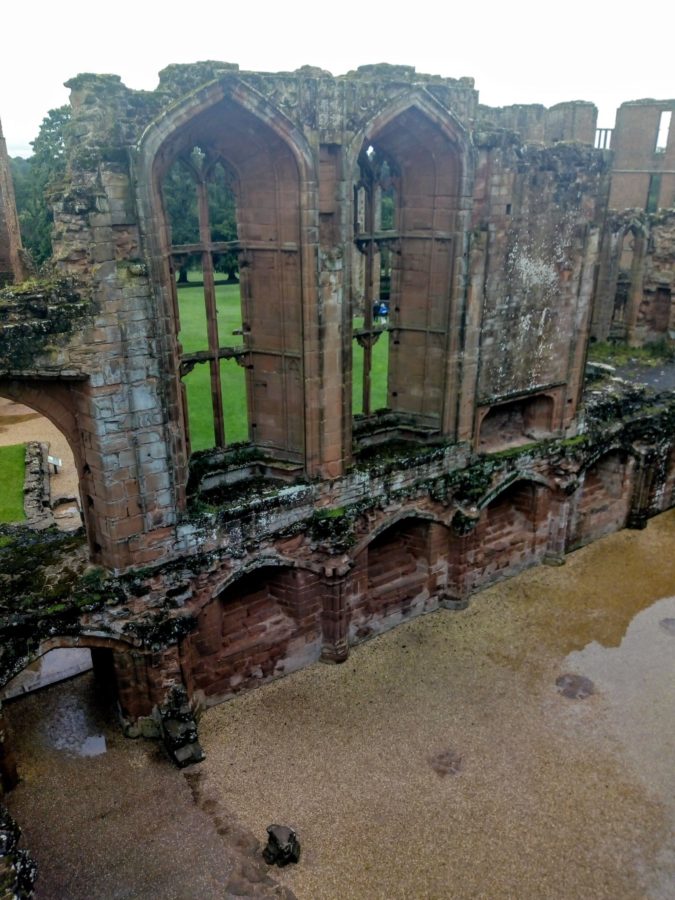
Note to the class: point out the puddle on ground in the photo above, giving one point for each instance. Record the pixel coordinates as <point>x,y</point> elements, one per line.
<point>68,717</point>
<point>575,687</point>
<point>636,681</point>
<point>71,726</point>
<point>448,762</point>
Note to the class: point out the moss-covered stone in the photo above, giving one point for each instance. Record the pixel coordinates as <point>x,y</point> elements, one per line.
<point>37,315</point>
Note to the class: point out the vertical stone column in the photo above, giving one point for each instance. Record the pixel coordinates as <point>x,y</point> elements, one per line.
<point>458,586</point>
<point>558,519</point>
<point>571,524</point>
<point>333,400</point>
<point>582,326</point>
<point>605,290</point>
<point>478,257</point>
<point>636,284</point>
<point>335,618</point>
<point>643,484</point>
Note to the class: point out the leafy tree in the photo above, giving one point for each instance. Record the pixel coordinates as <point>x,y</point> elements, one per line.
<point>33,178</point>
<point>180,200</point>
<point>223,216</point>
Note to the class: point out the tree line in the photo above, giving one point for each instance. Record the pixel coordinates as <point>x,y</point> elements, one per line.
<point>40,175</point>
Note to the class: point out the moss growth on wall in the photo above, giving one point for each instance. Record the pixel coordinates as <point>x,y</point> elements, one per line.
<point>36,315</point>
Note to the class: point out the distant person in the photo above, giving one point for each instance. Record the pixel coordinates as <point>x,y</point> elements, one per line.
<point>380,310</point>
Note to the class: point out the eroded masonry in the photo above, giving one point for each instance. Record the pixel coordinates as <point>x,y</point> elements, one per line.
<point>483,247</point>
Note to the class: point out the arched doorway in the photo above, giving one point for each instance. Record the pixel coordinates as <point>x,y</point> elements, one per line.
<point>19,425</point>
<point>510,536</point>
<point>602,502</point>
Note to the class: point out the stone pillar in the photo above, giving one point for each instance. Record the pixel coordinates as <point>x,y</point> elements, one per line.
<point>571,525</point>
<point>636,290</point>
<point>335,619</point>
<point>559,511</point>
<point>458,590</point>
<point>605,291</point>
<point>643,483</point>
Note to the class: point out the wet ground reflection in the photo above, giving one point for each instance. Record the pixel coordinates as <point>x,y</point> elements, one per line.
<point>106,817</point>
<point>637,683</point>
<point>70,724</point>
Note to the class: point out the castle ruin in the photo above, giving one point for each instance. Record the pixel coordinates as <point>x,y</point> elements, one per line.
<point>510,240</point>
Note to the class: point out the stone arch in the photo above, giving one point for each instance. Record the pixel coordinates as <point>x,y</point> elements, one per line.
<point>511,532</point>
<point>122,672</point>
<point>398,573</point>
<point>389,521</point>
<point>275,179</point>
<point>430,153</point>
<point>263,561</point>
<point>510,480</point>
<point>58,402</point>
<point>423,101</point>
<point>262,623</point>
<point>602,501</point>
<point>620,279</point>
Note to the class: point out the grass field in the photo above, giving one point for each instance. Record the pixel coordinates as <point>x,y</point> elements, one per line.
<point>198,382</point>
<point>12,464</point>
<point>378,373</point>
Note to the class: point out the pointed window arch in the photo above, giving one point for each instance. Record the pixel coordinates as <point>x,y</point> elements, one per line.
<point>254,151</point>
<point>200,203</point>
<point>408,228</point>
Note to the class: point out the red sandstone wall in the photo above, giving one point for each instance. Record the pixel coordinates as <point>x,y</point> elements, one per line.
<point>394,579</point>
<point>11,265</point>
<point>602,502</point>
<point>666,497</point>
<point>264,625</point>
<point>511,535</point>
<point>533,256</point>
<point>635,157</point>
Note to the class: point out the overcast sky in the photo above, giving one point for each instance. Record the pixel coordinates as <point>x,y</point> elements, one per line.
<point>520,51</point>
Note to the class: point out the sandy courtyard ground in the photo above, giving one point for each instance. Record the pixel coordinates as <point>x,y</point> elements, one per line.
<point>440,761</point>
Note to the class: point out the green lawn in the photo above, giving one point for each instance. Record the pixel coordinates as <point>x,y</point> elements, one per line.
<point>12,465</point>
<point>198,382</point>
<point>618,354</point>
<point>378,374</point>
